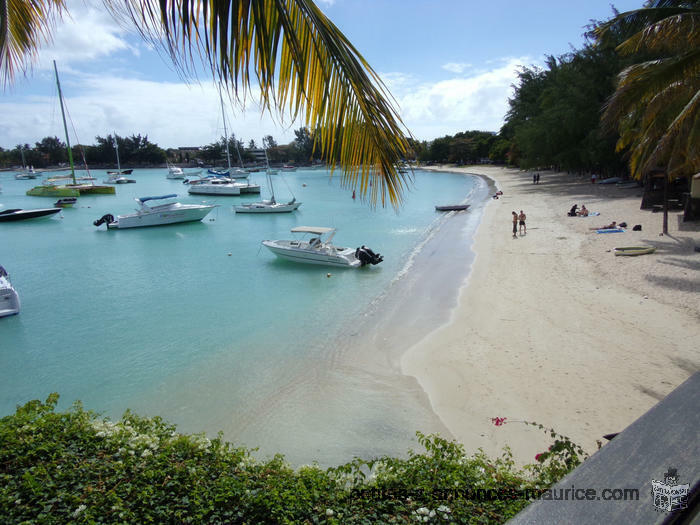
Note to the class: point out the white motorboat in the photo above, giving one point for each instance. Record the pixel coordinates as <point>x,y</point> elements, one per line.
<point>162,214</point>
<point>9,298</point>
<point>318,250</point>
<point>215,187</point>
<point>268,206</point>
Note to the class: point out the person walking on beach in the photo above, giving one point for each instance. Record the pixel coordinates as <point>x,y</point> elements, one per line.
<point>515,225</point>
<point>521,218</point>
<point>534,178</point>
<point>538,178</point>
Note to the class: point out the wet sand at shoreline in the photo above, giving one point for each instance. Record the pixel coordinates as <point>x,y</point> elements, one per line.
<point>552,327</point>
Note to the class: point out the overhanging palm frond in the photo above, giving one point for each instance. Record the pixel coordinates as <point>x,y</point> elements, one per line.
<point>303,65</point>
<point>24,25</point>
<point>666,34</point>
<point>656,105</point>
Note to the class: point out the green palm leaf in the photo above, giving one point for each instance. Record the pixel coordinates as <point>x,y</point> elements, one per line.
<point>656,106</point>
<point>24,24</point>
<point>303,66</point>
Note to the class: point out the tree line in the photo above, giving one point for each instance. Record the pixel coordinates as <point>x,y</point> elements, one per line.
<point>137,150</point>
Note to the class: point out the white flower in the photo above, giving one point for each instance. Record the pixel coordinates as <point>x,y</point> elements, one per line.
<point>18,501</point>
<point>444,508</point>
<point>329,512</point>
<point>146,452</point>
<point>77,511</point>
<point>423,510</point>
<point>432,514</point>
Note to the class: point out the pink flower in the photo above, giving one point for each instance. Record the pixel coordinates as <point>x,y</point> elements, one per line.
<point>538,456</point>
<point>498,421</point>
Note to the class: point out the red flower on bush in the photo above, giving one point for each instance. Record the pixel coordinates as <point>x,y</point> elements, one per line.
<point>498,421</point>
<point>541,457</point>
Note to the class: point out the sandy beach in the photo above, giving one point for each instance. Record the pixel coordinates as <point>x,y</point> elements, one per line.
<point>552,327</point>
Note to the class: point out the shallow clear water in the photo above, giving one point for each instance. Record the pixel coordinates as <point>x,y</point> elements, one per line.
<point>199,324</point>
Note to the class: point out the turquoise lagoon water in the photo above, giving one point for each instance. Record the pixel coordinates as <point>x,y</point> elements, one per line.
<point>199,324</point>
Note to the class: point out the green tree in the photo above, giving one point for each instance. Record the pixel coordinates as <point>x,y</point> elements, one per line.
<point>303,145</point>
<point>301,62</point>
<point>53,149</point>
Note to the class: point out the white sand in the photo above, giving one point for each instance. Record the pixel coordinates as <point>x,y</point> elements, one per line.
<point>552,327</point>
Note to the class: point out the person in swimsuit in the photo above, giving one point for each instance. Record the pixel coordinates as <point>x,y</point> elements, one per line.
<point>515,224</point>
<point>521,218</point>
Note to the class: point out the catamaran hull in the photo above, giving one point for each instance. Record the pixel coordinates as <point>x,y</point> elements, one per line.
<point>53,191</point>
<point>205,189</point>
<point>159,219</point>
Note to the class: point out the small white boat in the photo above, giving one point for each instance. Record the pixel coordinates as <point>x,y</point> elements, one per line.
<point>321,251</point>
<point>115,178</point>
<point>268,206</point>
<point>175,172</point>
<point>287,167</point>
<point>160,215</point>
<point>65,202</point>
<point>9,299</point>
<point>215,187</point>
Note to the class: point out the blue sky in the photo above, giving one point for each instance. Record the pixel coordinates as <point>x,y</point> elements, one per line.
<point>449,64</point>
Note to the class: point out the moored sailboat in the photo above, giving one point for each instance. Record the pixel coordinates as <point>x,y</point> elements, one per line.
<point>67,190</point>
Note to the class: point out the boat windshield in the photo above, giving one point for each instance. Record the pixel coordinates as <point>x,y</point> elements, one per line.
<point>144,199</point>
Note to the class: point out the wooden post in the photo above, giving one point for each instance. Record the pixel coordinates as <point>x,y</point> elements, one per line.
<point>665,227</point>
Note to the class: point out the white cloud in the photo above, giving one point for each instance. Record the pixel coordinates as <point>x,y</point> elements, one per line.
<point>171,113</point>
<point>87,33</point>
<point>456,67</point>
<point>479,101</point>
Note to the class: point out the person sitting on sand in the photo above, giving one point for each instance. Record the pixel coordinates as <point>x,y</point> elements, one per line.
<point>583,212</point>
<point>573,212</point>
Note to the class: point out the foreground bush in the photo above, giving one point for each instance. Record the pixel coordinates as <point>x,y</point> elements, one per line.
<point>73,467</point>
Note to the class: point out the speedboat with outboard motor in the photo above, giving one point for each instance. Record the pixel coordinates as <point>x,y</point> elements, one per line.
<point>19,214</point>
<point>163,214</point>
<point>320,250</point>
<point>9,299</point>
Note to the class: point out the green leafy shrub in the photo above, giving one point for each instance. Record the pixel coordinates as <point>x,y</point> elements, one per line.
<point>74,467</point>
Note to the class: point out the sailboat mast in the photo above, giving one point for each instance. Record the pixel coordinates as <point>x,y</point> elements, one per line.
<point>223,116</point>
<point>116,147</point>
<point>65,126</point>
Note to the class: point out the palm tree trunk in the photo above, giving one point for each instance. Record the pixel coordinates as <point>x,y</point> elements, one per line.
<point>665,226</point>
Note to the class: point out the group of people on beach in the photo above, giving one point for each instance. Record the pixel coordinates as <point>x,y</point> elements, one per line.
<point>575,212</point>
<point>519,219</point>
<point>535,178</point>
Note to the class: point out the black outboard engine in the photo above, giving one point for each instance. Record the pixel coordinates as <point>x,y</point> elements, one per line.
<point>105,218</point>
<point>367,256</point>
